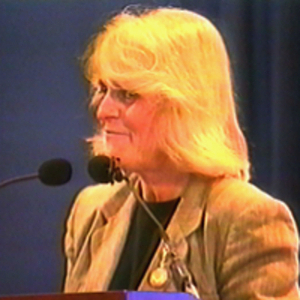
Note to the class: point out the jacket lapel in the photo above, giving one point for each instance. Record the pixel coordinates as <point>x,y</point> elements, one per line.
<point>113,236</point>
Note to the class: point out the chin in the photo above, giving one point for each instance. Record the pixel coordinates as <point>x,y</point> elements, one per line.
<point>132,161</point>
<point>128,162</point>
<point>113,153</point>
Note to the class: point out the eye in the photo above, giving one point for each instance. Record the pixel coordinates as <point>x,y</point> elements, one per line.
<point>97,93</point>
<point>126,97</point>
<point>100,89</point>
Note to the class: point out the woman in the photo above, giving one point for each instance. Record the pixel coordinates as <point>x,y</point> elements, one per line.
<point>164,104</point>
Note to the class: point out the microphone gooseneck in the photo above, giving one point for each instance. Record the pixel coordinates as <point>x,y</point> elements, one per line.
<point>18,179</point>
<point>103,169</point>
<point>52,172</point>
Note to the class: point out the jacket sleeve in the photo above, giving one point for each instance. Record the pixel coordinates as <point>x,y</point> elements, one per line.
<point>260,258</point>
<point>69,245</point>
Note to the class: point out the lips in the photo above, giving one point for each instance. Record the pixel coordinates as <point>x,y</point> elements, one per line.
<point>114,132</point>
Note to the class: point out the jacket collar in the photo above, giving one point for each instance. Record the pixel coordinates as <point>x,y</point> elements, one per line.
<point>187,215</point>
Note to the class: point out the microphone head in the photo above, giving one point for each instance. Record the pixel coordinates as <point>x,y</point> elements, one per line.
<point>100,169</point>
<point>56,171</point>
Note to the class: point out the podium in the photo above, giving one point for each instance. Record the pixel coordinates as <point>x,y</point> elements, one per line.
<point>125,295</point>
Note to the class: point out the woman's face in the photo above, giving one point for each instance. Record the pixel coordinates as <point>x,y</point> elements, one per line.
<point>127,127</point>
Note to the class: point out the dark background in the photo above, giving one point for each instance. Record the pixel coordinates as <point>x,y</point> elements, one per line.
<point>43,113</point>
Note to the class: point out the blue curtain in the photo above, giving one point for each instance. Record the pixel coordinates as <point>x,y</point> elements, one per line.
<point>43,113</point>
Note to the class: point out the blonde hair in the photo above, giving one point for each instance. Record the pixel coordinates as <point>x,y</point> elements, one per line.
<point>179,56</point>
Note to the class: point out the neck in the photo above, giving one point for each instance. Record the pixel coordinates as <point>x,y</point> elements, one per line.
<point>163,184</point>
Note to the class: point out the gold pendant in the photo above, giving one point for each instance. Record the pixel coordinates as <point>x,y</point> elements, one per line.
<point>158,277</point>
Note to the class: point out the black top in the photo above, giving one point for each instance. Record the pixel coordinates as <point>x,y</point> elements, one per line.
<point>142,240</point>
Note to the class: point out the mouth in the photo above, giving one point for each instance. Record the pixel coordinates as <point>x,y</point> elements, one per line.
<point>113,132</point>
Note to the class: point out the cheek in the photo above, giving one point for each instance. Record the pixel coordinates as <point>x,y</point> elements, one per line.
<point>141,125</point>
<point>140,117</point>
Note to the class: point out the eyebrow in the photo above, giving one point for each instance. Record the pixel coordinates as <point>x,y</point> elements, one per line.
<point>114,84</point>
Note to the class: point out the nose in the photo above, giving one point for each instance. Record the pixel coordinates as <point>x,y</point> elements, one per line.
<point>108,108</point>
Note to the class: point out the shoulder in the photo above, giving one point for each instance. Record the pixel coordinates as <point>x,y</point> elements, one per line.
<point>245,217</point>
<point>235,199</point>
<point>92,208</point>
<point>95,204</point>
<point>239,212</point>
<point>97,198</point>
<point>254,240</point>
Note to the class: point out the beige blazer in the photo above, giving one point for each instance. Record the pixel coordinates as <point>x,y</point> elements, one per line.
<point>238,242</point>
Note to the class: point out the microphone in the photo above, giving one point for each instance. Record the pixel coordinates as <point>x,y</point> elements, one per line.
<point>53,172</point>
<point>103,169</point>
